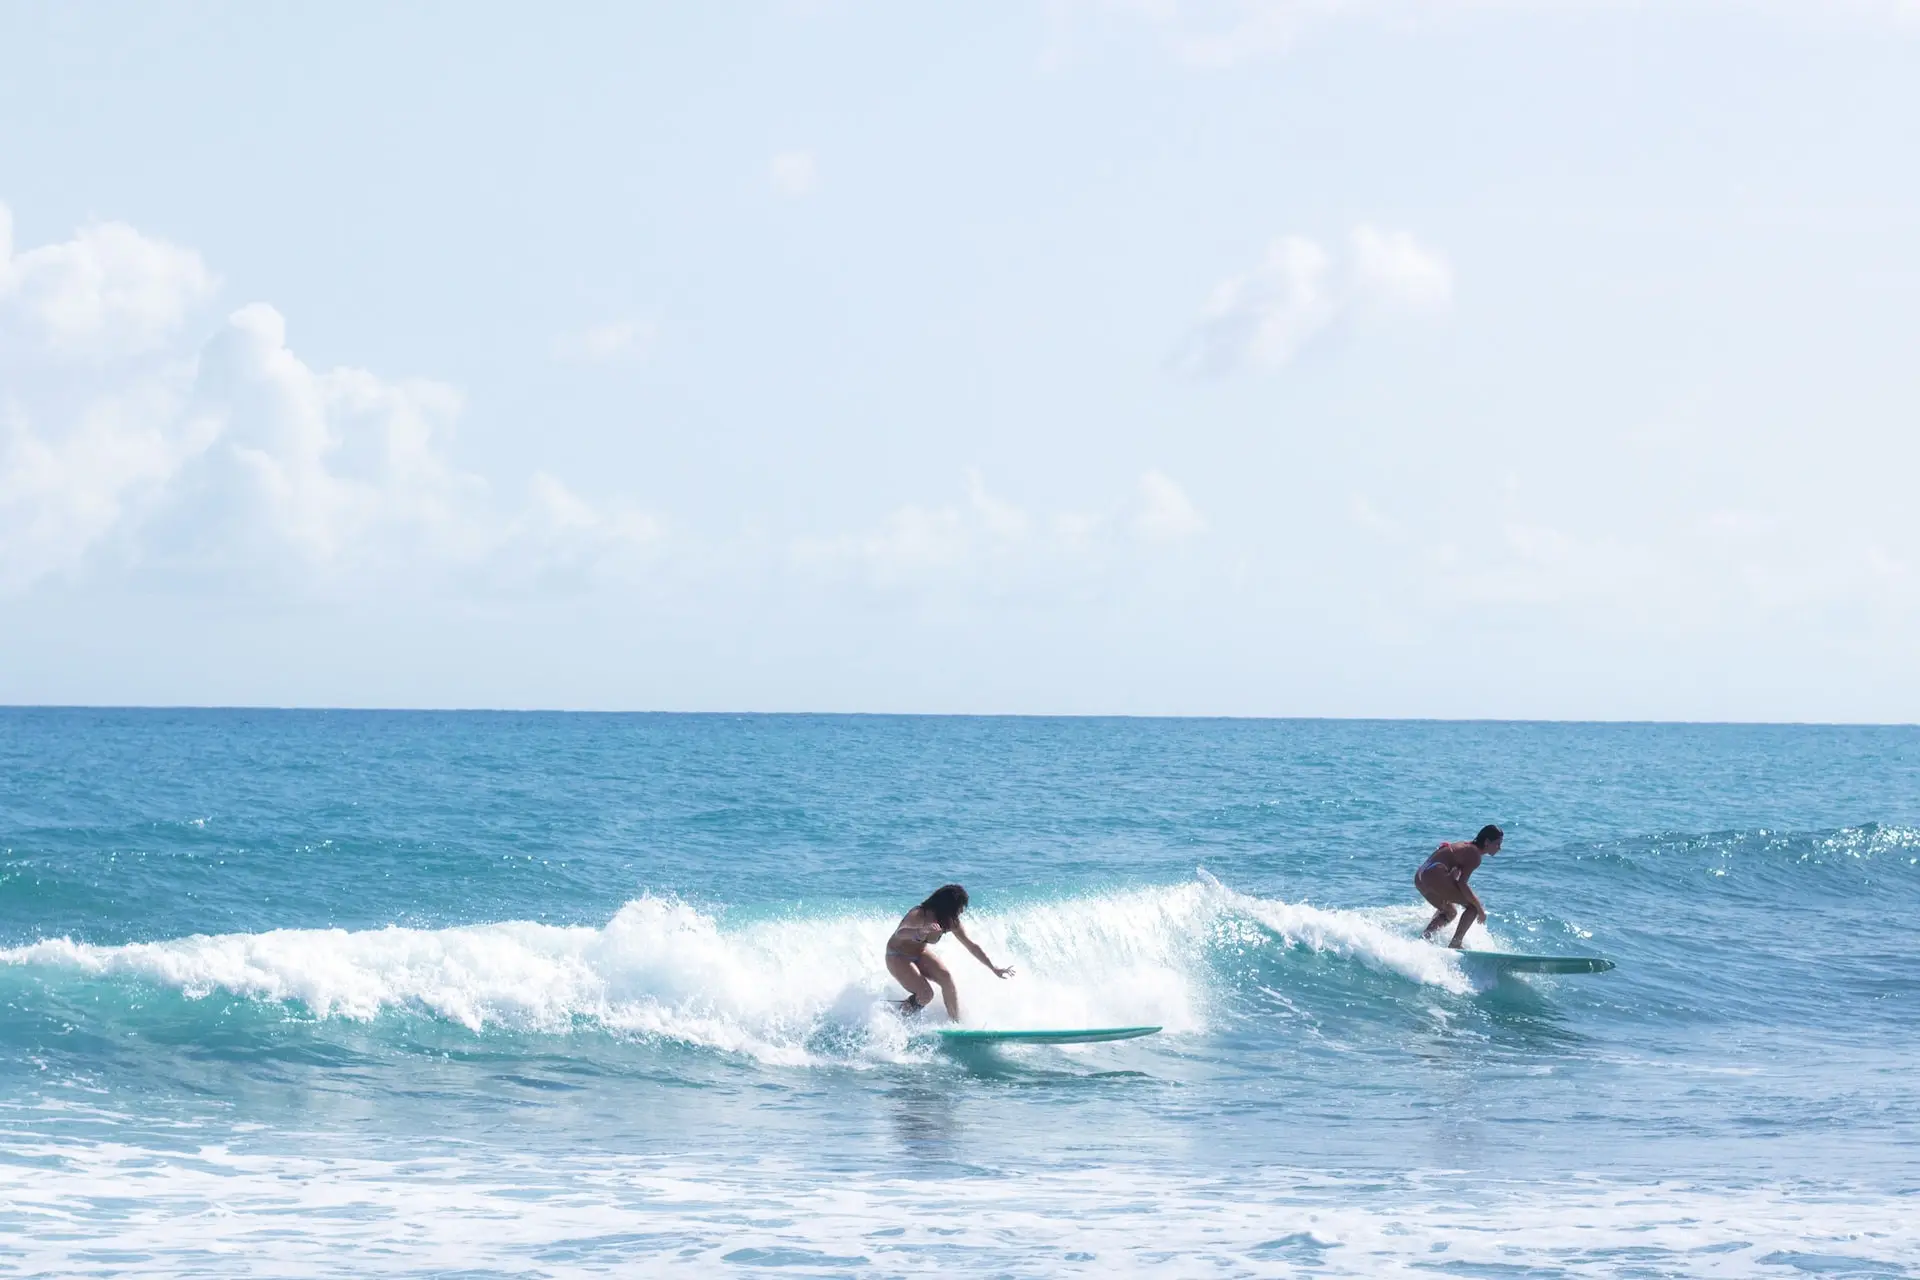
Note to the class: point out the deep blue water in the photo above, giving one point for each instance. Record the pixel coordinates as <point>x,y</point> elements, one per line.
<point>351,992</point>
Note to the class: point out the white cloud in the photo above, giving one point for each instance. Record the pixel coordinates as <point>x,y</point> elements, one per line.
<point>237,461</point>
<point>794,173</point>
<point>308,468</point>
<point>1390,269</point>
<point>62,493</point>
<point>1225,33</point>
<point>561,537</point>
<point>1165,513</point>
<point>617,342</point>
<point>1221,34</point>
<point>109,291</point>
<point>1677,569</point>
<point>1002,519</point>
<point>986,544</point>
<point>1370,517</point>
<point>917,543</point>
<point>1264,317</point>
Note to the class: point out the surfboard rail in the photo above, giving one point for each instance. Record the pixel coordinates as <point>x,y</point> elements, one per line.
<point>1082,1035</point>
<point>1513,962</point>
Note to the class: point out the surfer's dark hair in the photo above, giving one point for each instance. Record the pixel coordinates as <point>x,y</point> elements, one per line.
<point>1488,834</point>
<point>945,905</point>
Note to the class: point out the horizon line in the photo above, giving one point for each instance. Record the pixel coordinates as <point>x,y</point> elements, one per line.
<point>322,709</point>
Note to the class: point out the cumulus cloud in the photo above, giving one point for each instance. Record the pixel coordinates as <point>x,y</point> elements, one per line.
<point>1165,513</point>
<point>560,537</point>
<point>109,291</point>
<point>794,174</point>
<point>617,342</point>
<point>989,543</point>
<point>316,468</point>
<point>916,542</point>
<point>1262,318</point>
<point>63,492</point>
<point>1392,270</point>
<point>1225,33</point>
<point>145,436</point>
<point>234,459</point>
<point>1220,34</point>
<point>1672,567</point>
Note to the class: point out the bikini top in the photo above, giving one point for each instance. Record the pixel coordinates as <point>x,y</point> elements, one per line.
<point>920,933</point>
<point>1466,856</point>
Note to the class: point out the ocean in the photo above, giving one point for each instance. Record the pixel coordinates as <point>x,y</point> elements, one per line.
<point>291,993</point>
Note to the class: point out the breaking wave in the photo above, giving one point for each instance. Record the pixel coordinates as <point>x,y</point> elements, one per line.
<point>775,989</point>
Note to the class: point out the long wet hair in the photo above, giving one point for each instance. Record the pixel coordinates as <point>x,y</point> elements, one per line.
<point>1488,834</point>
<point>945,905</point>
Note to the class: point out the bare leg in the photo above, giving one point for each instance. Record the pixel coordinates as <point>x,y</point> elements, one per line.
<point>1467,918</point>
<point>941,978</point>
<point>1443,891</point>
<point>1442,917</point>
<point>919,993</point>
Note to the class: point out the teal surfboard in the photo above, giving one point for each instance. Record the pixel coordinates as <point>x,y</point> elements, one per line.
<point>1086,1035</point>
<point>1507,962</point>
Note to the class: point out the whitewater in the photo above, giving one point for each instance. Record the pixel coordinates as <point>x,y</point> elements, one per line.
<point>336,993</point>
<point>768,988</point>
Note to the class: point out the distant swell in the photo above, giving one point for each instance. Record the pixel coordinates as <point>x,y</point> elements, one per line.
<point>769,988</point>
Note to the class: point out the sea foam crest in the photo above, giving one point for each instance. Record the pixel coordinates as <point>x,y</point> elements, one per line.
<point>766,987</point>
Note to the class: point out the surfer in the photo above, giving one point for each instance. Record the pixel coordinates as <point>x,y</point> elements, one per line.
<point>1442,880</point>
<point>915,968</point>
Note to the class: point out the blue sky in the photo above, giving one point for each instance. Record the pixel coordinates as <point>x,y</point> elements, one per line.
<point>1480,359</point>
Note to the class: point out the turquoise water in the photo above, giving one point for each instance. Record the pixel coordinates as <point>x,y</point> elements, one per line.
<point>289,993</point>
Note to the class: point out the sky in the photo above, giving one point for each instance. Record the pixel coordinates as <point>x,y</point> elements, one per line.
<point>1491,359</point>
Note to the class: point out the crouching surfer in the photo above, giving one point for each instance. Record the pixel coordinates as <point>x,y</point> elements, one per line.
<point>915,968</point>
<point>1442,880</point>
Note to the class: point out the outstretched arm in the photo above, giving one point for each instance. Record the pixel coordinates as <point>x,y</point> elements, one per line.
<point>978,954</point>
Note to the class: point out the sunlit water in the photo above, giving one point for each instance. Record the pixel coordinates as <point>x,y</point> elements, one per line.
<point>356,993</point>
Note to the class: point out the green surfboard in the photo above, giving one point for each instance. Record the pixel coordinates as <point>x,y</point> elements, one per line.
<point>1086,1035</point>
<point>1507,962</point>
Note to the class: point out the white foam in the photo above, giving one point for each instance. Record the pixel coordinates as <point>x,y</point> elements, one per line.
<point>1381,938</point>
<point>221,1212</point>
<point>662,967</point>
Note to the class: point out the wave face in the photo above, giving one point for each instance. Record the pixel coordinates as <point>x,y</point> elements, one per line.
<point>775,989</point>
<point>569,993</point>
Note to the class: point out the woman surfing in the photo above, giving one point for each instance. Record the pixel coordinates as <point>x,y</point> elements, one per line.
<point>915,968</point>
<point>1442,880</point>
